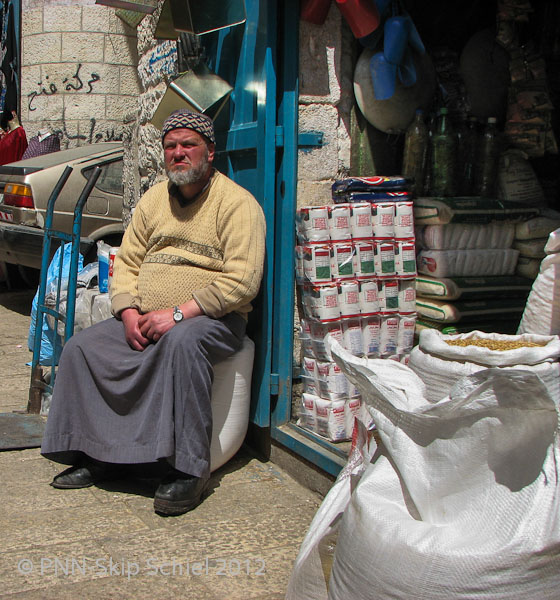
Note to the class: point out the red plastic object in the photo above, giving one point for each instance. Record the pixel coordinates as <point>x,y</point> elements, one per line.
<point>361,15</point>
<point>315,11</point>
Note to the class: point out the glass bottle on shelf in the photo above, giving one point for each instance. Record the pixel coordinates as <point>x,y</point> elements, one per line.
<point>486,174</point>
<point>432,122</point>
<point>444,150</point>
<point>468,158</point>
<point>415,152</point>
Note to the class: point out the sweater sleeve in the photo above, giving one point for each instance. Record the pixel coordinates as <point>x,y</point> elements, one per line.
<point>124,285</point>
<point>241,230</point>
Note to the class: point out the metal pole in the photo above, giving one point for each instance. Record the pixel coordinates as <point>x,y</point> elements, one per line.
<point>75,253</point>
<point>37,384</point>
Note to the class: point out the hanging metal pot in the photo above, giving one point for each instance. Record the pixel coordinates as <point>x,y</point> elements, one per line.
<point>199,16</point>
<point>315,11</point>
<point>131,17</point>
<point>361,15</point>
<point>143,6</point>
<point>198,89</point>
<point>164,28</point>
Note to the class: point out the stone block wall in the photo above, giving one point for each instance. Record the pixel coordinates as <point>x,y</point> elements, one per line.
<point>79,71</point>
<point>325,102</point>
<point>157,65</point>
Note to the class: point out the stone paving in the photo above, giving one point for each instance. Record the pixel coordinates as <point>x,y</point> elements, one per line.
<point>105,542</point>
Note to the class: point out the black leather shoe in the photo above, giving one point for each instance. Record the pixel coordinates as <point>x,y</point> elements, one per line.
<point>178,493</point>
<point>84,475</point>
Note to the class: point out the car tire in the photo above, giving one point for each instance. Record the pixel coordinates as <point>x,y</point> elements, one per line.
<point>30,276</point>
<point>21,277</point>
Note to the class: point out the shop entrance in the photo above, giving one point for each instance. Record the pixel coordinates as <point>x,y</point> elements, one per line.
<point>257,143</point>
<point>257,147</point>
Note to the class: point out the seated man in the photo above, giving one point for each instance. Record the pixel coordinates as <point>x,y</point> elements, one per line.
<point>136,388</point>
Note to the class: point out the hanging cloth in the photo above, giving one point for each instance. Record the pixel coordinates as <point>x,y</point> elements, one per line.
<point>9,65</point>
<point>13,146</point>
<point>42,144</point>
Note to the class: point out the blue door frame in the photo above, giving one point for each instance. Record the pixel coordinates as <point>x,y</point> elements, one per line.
<point>257,145</point>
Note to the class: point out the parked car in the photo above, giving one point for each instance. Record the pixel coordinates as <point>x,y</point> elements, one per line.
<point>26,185</point>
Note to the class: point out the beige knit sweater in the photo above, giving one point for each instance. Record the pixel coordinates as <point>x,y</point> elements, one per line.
<point>210,249</point>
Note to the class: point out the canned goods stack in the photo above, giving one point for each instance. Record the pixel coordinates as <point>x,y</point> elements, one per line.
<point>355,270</point>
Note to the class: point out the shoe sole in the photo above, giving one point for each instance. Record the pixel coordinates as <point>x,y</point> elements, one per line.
<point>69,486</point>
<point>170,508</point>
<point>75,486</point>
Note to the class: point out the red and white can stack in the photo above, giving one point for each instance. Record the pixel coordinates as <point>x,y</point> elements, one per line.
<point>112,254</point>
<point>356,271</point>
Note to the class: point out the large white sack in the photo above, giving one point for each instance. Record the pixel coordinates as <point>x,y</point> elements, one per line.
<point>471,236</point>
<point>435,343</point>
<point>231,401</point>
<point>553,244</point>
<point>461,499</point>
<point>542,311</point>
<point>538,227</point>
<point>467,263</point>
<point>440,365</point>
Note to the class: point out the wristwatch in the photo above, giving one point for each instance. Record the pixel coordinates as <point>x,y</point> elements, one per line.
<point>178,315</point>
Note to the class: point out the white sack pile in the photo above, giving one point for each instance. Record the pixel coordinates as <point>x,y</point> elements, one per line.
<point>542,311</point>
<point>441,366</point>
<point>460,499</point>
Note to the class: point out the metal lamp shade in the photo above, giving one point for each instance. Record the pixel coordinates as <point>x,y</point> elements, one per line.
<point>143,6</point>
<point>199,90</point>
<point>198,16</point>
<point>164,27</point>
<point>131,17</point>
<point>204,16</point>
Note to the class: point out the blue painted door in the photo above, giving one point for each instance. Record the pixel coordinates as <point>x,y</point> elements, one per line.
<point>257,147</point>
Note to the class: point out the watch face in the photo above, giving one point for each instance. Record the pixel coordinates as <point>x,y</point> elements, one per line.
<point>177,315</point>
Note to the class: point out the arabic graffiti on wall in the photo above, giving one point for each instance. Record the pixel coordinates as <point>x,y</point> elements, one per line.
<point>165,59</point>
<point>71,84</point>
<point>95,134</point>
<point>160,63</point>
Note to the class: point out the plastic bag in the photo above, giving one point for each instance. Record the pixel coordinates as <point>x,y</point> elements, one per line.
<point>51,342</point>
<point>103,251</point>
<point>460,499</point>
<point>88,276</point>
<point>542,311</point>
<point>86,290</point>
<point>101,308</point>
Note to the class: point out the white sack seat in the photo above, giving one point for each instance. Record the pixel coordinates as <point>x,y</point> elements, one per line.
<point>231,399</point>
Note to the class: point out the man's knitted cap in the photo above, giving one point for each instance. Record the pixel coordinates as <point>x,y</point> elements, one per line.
<point>186,119</point>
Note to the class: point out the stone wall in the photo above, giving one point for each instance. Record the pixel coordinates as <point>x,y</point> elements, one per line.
<point>325,103</point>
<point>326,98</point>
<point>79,72</point>
<point>157,65</point>
<point>90,77</point>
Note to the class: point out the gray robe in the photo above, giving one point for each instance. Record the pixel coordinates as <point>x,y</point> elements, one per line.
<point>118,405</point>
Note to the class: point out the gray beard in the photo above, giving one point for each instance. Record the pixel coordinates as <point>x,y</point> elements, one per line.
<point>193,175</point>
